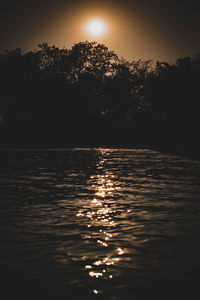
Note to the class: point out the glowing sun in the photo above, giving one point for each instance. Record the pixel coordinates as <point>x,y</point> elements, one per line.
<point>95,27</point>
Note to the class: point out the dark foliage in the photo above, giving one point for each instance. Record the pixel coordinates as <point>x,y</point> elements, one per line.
<point>87,95</point>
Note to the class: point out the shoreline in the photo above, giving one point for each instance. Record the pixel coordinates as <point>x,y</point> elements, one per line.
<point>193,154</point>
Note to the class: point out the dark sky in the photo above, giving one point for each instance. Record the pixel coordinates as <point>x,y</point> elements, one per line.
<point>159,30</point>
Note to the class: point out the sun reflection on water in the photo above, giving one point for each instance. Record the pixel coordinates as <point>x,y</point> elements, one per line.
<point>101,220</point>
<point>100,228</point>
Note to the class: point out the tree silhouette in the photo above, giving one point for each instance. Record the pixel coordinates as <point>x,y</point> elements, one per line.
<point>51,92</point>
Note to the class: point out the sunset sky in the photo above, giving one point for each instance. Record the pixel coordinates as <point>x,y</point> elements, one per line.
<point>147,29</point>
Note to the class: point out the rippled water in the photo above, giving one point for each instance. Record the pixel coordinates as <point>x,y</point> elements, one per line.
<point>98,223</point>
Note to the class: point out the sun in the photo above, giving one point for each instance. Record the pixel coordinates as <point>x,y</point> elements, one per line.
<point>95,27</point>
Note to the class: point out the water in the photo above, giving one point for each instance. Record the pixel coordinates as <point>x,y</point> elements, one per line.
<point>98,223</point>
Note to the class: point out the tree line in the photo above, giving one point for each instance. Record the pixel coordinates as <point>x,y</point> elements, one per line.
<point>87,94</point>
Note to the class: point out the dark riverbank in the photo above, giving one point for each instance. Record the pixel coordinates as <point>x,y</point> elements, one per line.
<point>186,149</point>
<point>166,140</point>
<point>87,97</point>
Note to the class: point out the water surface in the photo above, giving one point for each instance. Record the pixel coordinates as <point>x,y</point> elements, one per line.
<point>98,223</point>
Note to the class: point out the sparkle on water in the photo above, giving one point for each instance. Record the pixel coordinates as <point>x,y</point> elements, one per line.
<point>100,219</point>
